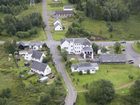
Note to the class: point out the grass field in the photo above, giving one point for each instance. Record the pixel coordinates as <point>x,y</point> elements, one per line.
<point>122,30</point>
<point>117,74</point>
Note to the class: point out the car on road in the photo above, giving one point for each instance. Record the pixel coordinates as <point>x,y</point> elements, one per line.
<point>123,42</point>
<point>130,61</point>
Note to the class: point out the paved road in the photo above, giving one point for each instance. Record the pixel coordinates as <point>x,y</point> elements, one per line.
<point>72,94</point>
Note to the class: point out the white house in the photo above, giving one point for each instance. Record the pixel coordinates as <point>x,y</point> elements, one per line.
<point>85,67</point>
<point>68,8</point>
<point>56,0</point>
<point>40,68</point>
<point>58,26</point>
<point>34,55</point>
<point>30,45</point>
<point>80,46</point>
<point>36,45</point>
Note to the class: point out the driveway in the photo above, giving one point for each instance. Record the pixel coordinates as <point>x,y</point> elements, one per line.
<point>71,92</point>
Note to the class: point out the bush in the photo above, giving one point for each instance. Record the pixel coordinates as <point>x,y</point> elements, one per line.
<point>80,73</point>
<point>6,93</point>
<point>22,34</point>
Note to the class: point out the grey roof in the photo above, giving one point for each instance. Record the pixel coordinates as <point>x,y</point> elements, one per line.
<point>38,66</point>
<point>89,49</point>
<point>85,66</point>
<point>63,12</point>
<point>36,44</point>
<point>68,7</point>
<point>36,54</point>
<point>30,43</point>
<point>112,58</point>
<point>83,41</point>
<point>57,24</point>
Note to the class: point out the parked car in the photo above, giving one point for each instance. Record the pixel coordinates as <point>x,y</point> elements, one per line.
<point>123,49</point>
<point>130,61</point>
<point>123,42</point>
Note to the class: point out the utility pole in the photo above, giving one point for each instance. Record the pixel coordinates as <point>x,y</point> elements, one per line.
<point>32,2</point>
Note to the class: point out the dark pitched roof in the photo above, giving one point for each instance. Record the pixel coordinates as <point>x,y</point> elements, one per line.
<point>112,58</point>
<point>23,44</point>
<point>83,41</point>
<point>36,54</point>
<point>38,66</point>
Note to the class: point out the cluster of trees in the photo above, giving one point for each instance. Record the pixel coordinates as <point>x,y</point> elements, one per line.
<point>76,30</point>
<point>108,10</point>
<point>102,92</point>
<point>13,7</point>
<point>22,28</point>
<point>55,95</point>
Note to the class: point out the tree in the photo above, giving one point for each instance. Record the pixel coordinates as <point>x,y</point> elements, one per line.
<point>10,47</point>
<point>117,48</point>
<point>6,93</point>
<point>45,100</point>
<point>95,48</point>
<point>135,89</point>
<point>101,92</point>
<point>103,50</point>
<point>64,55</point>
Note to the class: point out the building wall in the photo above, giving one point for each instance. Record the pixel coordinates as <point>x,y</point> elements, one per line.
<point>47,70</point>
<point>28,57</point>
<point>58,28</point>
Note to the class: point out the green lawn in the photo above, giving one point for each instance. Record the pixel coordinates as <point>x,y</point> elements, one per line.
<point>122,30</point>
<point>136,48</point>
<point>117,74</point>
<point>56,6</point>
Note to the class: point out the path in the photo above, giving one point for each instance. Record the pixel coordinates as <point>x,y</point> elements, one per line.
<point>72,94</point>
<point>125,86</point>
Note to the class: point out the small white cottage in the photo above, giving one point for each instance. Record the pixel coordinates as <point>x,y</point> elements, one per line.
<point>40,68</point>
<point>58,26</point>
